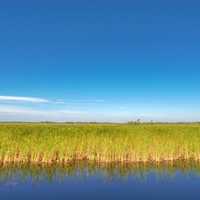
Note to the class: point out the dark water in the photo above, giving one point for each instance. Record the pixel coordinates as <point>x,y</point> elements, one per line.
<point>100,182</point>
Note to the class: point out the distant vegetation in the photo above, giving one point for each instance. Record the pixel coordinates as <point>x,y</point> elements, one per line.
<point>104,143</point>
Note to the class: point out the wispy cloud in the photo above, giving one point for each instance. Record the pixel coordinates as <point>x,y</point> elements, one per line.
<point>23,99</point>
<point>21,113</point>
<point>13,113</point>
<point>79,101</point>
<point>16,110</point>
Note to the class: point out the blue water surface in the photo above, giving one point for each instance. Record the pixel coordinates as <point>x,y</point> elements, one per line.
<point>152,184</point>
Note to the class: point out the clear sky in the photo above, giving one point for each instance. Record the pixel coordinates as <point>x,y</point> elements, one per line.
<point>106,60</point>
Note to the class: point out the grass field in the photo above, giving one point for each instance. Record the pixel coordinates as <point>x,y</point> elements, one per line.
<point>63,143</point>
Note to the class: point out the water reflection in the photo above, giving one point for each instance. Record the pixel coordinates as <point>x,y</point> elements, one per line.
<point>107,170</point>
<point>81,180</point>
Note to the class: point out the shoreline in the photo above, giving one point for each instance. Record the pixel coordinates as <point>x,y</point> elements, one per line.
<point>97,162</point>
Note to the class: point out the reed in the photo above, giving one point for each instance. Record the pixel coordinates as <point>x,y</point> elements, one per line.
<point>102,143</point>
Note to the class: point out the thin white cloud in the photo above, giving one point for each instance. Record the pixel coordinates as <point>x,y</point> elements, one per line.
<point>13,113</point>
<point>23,99</point>
<point>79,101</point>
<point>16,110</point>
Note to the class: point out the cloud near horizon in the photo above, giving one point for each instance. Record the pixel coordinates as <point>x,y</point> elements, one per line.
<point>42,109</point>
<point>53,110</point>
<point>13,113</point>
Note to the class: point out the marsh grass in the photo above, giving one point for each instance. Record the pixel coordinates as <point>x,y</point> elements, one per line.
<point>102,143</point>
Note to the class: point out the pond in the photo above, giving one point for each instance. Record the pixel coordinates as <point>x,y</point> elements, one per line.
<point>92,181</point>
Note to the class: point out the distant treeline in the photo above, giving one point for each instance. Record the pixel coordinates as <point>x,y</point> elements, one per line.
<point>93,122</point>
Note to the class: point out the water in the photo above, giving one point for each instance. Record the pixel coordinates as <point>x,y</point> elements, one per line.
<point>100,182</point>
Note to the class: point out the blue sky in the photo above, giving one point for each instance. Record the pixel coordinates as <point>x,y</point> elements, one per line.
<point>99,60</point>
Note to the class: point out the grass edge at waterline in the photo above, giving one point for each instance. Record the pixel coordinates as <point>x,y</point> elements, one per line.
<point>101,143</point>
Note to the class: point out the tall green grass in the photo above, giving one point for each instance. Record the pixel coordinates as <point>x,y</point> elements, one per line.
<point>60,143</point>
